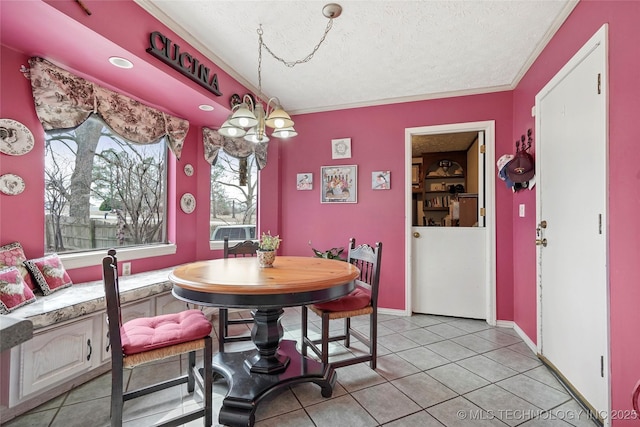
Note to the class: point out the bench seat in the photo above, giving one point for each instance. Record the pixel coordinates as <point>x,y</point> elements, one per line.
<point>86,298</point>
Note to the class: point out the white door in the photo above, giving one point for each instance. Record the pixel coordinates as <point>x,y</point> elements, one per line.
<point>571,156</point>
<point>450,266</point>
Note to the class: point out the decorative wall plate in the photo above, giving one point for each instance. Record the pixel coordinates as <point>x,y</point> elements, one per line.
<point>187,203</point>
<point>15,138</point>
<point>188,169</point>
<point>11,184</point>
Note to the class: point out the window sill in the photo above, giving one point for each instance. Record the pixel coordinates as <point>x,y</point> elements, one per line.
<point>88,259</point>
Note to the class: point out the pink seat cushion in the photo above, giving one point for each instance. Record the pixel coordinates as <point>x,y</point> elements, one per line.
<point>149,333</point>
<point>357,299</point>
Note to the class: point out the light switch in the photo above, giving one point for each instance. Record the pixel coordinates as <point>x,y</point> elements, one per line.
<point>521,210</point>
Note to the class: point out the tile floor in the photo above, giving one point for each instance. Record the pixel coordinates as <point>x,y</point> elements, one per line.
<point>432,371</point>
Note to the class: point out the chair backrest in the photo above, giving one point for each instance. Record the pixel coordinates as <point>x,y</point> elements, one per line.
<point>112,297</point>
<point>367,259</point>
<point>246,248</point>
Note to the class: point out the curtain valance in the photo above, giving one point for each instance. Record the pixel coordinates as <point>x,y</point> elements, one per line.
<point>64,100</point>
<point>236,147</point>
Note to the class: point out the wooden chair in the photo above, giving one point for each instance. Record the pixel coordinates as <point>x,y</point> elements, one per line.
<point>242,249</point>
<point>362,301</point>
<point>148,339</point>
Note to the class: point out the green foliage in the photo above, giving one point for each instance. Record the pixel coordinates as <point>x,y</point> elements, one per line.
<point>268,242</point>
<point>333,253</point>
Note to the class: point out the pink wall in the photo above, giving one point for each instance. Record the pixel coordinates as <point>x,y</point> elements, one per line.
<point>624,182</point>
<point>377,135</point>
<point>377,143</point>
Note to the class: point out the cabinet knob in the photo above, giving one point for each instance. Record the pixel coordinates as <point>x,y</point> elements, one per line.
<point>416,234</point>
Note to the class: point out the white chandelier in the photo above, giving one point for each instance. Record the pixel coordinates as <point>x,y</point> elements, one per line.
<point>249,119</point>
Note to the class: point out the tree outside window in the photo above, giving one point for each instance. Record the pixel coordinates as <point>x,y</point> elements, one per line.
<point>102,191</point>
<point>234,188</point>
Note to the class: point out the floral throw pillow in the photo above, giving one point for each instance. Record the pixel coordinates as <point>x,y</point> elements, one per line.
<point>12,255</point>
<point>49,273</point>
<point>14,292</point>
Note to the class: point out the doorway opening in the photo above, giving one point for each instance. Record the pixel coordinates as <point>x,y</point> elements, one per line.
<point>450,221</point>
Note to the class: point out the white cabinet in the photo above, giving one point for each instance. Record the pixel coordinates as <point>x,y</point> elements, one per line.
<point>167,303</point>
<point>53,356</point>
<point>56,356</point>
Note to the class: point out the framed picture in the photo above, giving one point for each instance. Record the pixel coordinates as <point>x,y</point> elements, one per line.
<point>415,174</point>
<point>381,180</point>
<point>341,148</point>
<point>339,184</point>
<point>304,181</point>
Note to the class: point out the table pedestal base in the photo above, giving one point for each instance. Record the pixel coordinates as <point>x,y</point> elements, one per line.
<point>247,389</point>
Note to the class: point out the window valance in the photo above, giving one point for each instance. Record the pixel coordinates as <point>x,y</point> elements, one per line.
<point>64,100</point>
<point>236,147</point>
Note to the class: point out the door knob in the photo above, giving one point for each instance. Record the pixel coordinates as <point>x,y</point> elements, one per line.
<point>416,234</point>
<point>542,242</point>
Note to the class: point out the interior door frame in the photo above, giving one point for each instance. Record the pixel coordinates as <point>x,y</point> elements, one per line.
<point>488,127</point>
<point>600,37</point>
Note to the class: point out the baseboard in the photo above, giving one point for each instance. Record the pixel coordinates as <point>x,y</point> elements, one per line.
<point>393,312</point>
<point>513,325</point>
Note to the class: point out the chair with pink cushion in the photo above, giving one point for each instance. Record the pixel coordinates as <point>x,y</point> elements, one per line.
<point>149,339</point>
<point>363,301</point>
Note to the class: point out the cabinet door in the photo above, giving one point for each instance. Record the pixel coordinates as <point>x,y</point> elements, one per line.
<point>56,355</point>
<point>167,303</point>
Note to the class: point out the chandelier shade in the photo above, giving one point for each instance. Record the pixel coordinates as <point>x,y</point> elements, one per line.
<point>288,132</point>
<point>243,117</point>
<point>278,118</point>
<point>231,131</point>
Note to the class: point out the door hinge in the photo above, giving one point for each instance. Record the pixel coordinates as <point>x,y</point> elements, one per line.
<point>602,366</point>
<point>599,223</point>
<point>483,212</point>
<point>599,83</point>
<point>483,149</point>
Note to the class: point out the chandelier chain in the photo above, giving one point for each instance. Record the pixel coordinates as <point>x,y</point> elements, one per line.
<point>289,64</point>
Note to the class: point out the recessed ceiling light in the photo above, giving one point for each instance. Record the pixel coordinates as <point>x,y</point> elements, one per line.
<point>205,107</point>
<point>120,62</point>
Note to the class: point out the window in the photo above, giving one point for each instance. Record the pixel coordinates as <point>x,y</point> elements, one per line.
<point>234,188</point>
<point>102,191</point>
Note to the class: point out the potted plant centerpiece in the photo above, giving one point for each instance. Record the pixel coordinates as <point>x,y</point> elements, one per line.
<point>268,245</point>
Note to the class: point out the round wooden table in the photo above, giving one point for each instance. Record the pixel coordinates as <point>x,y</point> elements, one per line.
<point>242,283</point>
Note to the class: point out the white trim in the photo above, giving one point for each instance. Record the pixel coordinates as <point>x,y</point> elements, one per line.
<point>555,26</point>
<point>525,338</point>
<point>505,324</point>
<point>93,258</point>
<point>393,312</point>
<point>490,206</point>
<point>513,325</point>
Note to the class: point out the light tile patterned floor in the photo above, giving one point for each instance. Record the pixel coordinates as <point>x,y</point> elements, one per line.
<point>432,371</point>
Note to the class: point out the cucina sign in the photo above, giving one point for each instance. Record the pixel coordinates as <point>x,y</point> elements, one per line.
<point>168,52</point>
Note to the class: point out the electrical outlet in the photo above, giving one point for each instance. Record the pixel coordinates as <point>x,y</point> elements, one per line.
<point>126,268</point>
<point>521,210</point>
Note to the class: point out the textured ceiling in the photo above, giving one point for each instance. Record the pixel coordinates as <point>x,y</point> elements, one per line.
<point>438,143</point>
<point>377,52</point>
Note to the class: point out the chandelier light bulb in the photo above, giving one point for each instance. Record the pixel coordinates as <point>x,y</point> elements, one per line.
<point>279,123</point>
<point>233,132</point>
<point>244,122</point>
